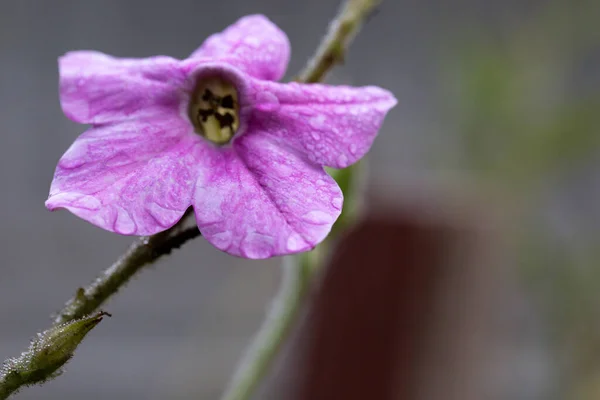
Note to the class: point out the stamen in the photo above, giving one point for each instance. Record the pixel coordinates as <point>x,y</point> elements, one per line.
<point>227,102</point>
<point>214,110</point>
<point>225,120</point>
<point>204,114</point>
<point>207,96</point>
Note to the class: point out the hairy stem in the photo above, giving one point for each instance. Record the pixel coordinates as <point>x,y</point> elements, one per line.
<point>298,271</point>
<point>48,352</point>
<point>144,251</point>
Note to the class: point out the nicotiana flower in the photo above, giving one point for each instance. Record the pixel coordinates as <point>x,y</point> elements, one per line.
<point>216,132</point>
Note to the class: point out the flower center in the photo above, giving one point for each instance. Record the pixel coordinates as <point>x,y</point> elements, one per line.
<point>214,110</point>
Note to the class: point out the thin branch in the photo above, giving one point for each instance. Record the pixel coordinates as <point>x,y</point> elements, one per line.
<point>342,30</point>
<point>144,251</point>
<point>255,363</point>
<point>25,370</point>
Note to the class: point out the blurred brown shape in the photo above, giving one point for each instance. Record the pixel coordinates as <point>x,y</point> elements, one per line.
<point>400,311</point>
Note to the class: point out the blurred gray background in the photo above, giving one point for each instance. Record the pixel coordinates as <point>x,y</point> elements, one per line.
<point>462,71</point>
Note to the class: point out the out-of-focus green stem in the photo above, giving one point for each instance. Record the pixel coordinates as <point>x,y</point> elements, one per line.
<point>298,271</point>
<point>251,369</point>
<point>334,45</point>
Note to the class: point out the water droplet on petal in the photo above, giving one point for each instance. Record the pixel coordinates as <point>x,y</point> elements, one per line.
<point>317,122</point>
<point>352,149</point>
<point>337,203</point>
<point>296,243</point>
<point>315,135</point>
<point>257,246</point>
<point>163,216</point>
<point>267,101</point>
<point>340,110</point>
<point>252,40</point>
<point>320,182</point>
<point>71,163</point>
<point>317,217</point>
<point>75,156</point>
<point>124,223</point>
<point>87,202</point>
<point>342,161</point>
<point>221,240</point>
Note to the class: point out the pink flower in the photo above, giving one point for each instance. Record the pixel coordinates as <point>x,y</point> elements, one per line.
<point>216,132</point>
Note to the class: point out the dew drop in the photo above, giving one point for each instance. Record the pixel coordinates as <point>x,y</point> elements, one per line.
<point>252,40</point>
<point>75,156</point>
<point>267,101</point>
<point>221,240</point>
<point>124,223</point>
<point>163,216</point>
<point>257,246</point>
<point>337,203</point>
<point>352,149</point>
<point>317,217</point>
<point>340,110</point>
<point>295,243</point>
<point>342,160</point>
<point>88,203</point>
<point>315,135</point>
<point>317,122</point>
<point>71,163</point>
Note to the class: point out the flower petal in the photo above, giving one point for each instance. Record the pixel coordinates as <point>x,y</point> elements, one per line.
<point>131,178</point>
<point>259,200</point>
<point>333,125</point>
<point>96,88</point>
<point>256,45</point>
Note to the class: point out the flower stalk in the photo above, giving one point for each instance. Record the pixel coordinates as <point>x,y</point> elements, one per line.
<point>342,30</point>
<point>142,252</point>
<point>55,346</point>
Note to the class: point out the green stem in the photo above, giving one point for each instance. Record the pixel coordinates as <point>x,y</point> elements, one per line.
<point>144,251</point>
<point>48,352</point>
<point>334,45</point>
<point>298,271</point>
<point>294,283</point>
